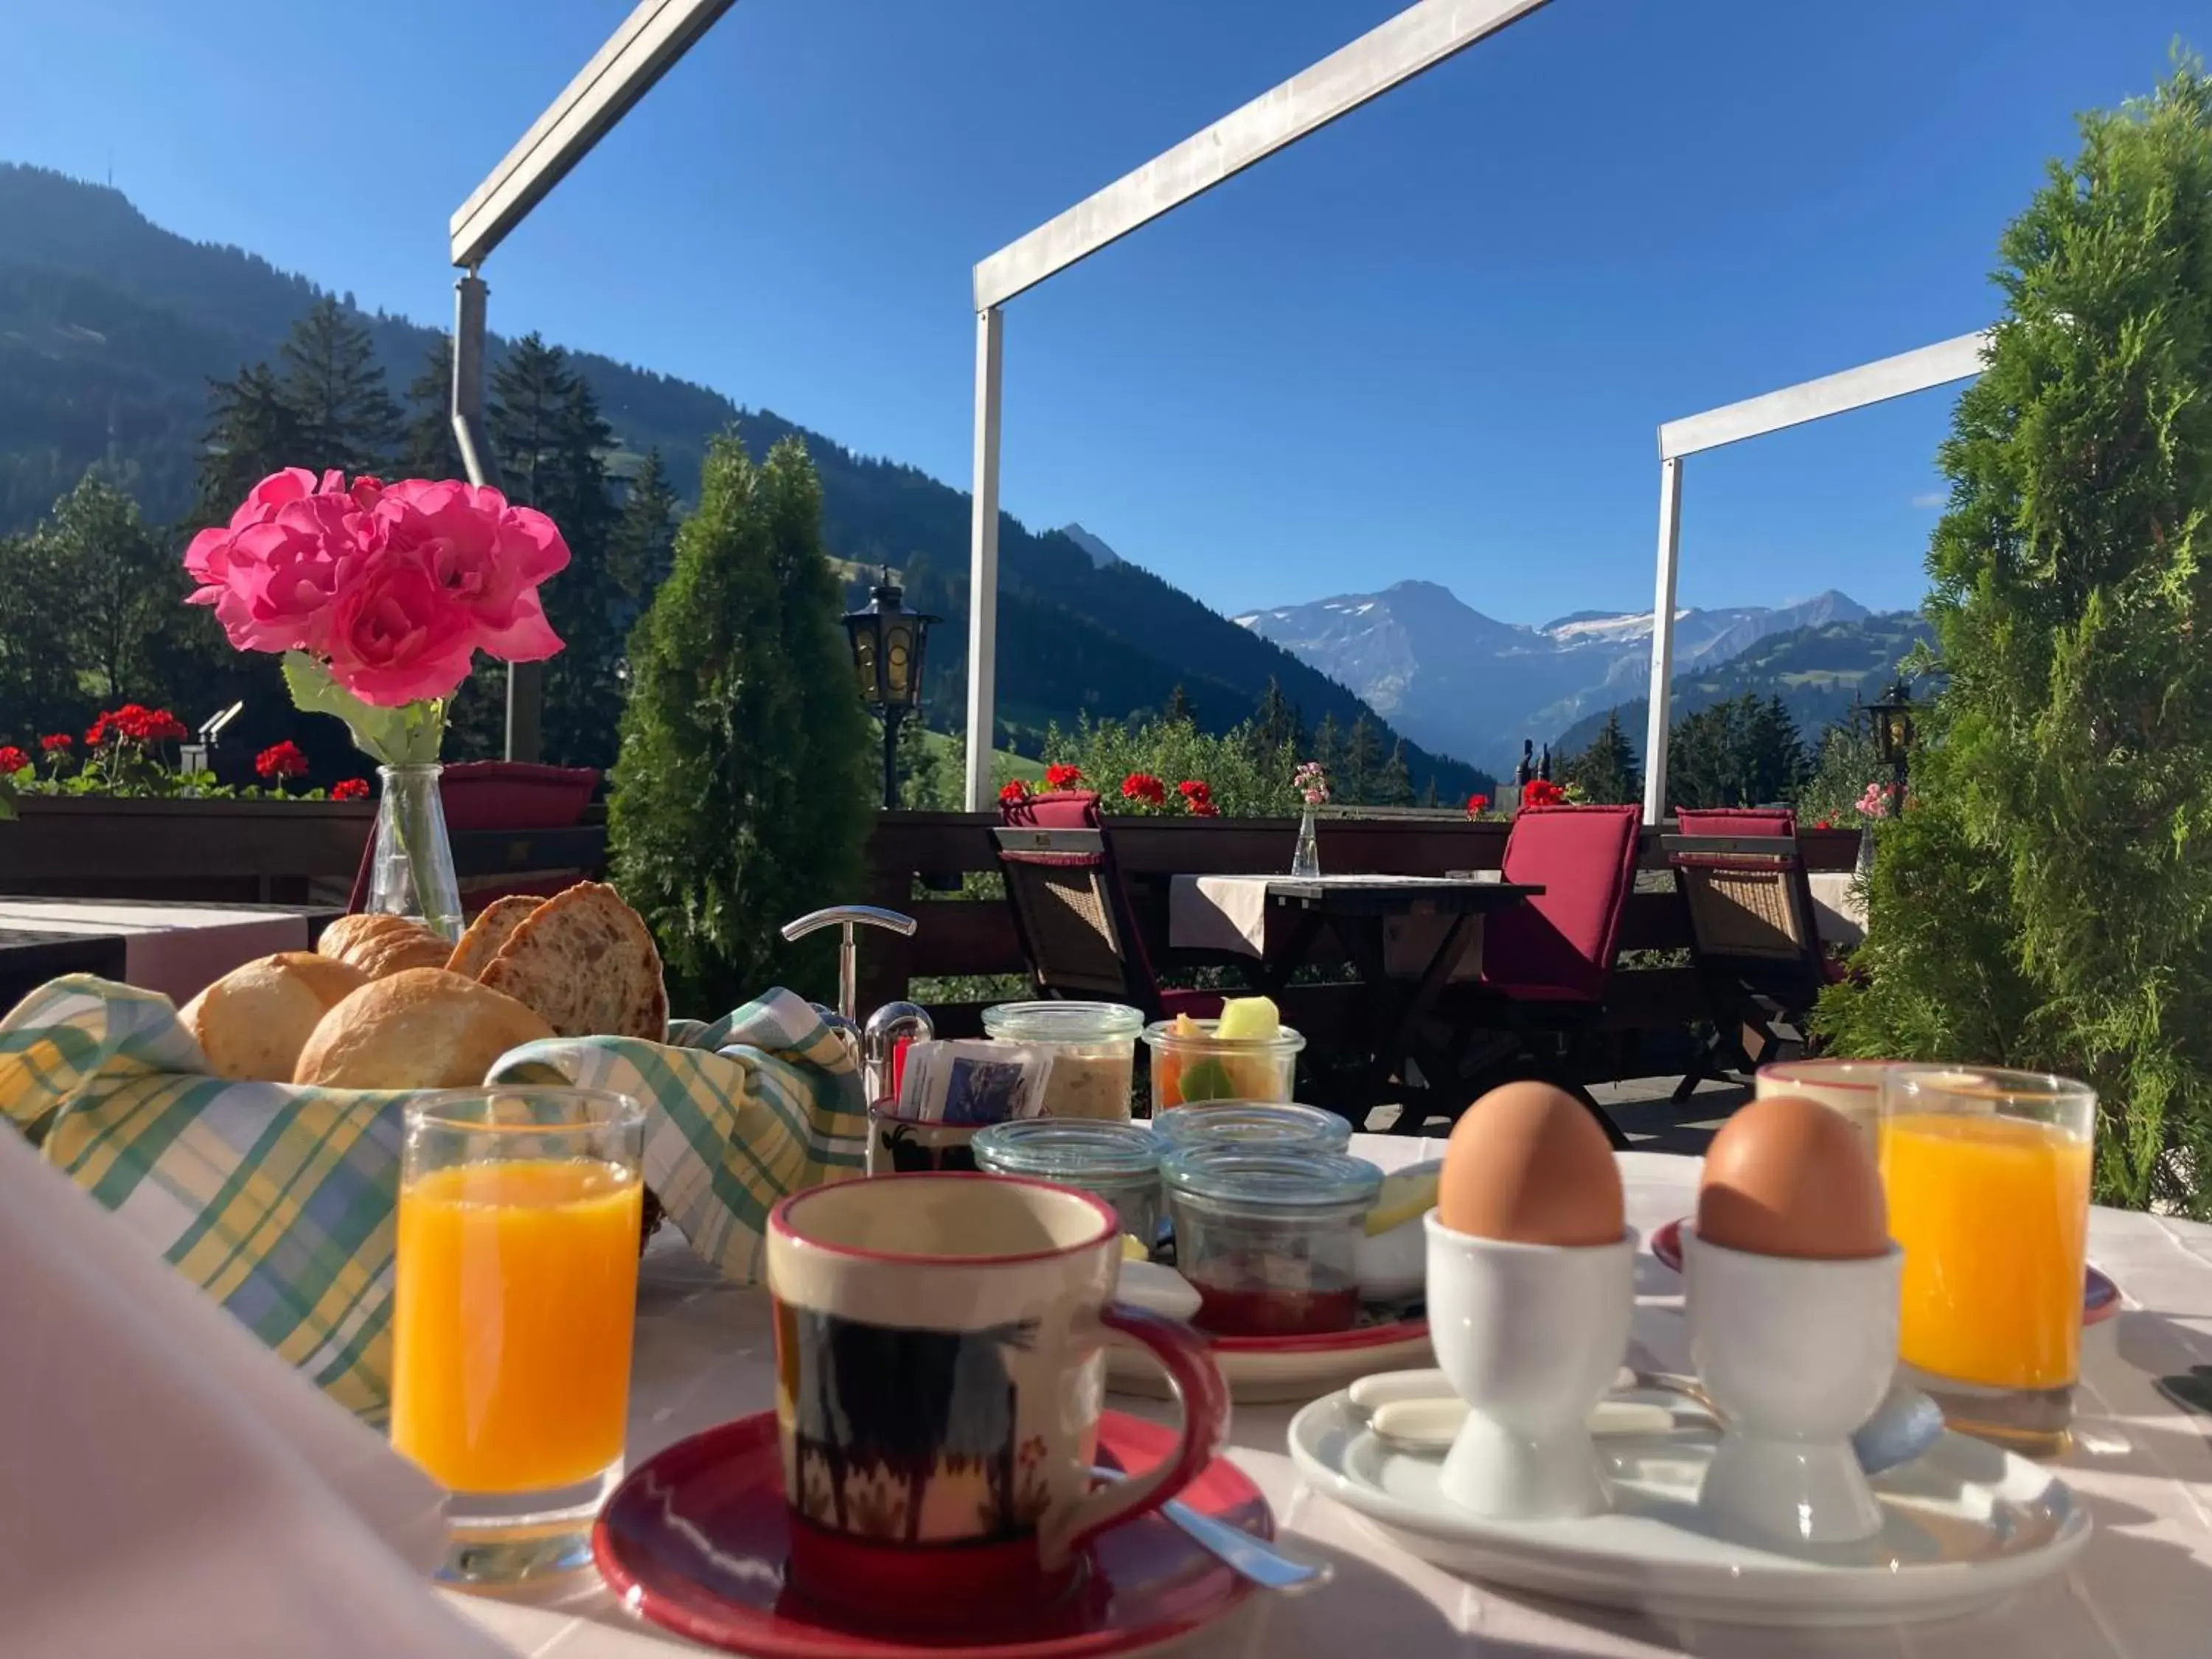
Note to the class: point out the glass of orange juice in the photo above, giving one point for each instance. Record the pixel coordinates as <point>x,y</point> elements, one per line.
<point>520,1211</point>
<point>1987,1176</point>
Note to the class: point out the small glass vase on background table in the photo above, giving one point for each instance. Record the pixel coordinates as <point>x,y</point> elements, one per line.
<point>516,1293</point>
<point>1987,1177</point>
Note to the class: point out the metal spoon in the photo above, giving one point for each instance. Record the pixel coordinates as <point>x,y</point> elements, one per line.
<point>1239,1551</point>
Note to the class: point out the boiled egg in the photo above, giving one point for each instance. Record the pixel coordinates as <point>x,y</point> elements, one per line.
<point>1787,1176</point>
<point>1527,1164</point>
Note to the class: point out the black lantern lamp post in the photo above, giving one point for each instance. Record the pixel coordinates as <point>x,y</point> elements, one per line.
<point>887,641</point>
<point>1894,734</point>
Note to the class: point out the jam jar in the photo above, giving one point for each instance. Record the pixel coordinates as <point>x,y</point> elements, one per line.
<point>1119,1163</point>
<point>1267,1235</point>
<point>1256,1126</point>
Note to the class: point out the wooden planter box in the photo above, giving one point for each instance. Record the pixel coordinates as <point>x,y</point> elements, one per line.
<point>216,851</point>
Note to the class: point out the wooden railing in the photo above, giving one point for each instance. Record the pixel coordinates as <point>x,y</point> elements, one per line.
<point>917,860</point>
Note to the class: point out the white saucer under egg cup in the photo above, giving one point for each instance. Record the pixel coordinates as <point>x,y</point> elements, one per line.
<point>1795,1355</point>
<point>1530,1336</point>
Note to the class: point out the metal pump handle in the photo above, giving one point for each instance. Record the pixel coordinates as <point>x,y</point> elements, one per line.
<point>848,950</point>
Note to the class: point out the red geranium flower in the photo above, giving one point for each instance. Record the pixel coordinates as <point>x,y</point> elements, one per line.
<point>1062,776</point>
<point>281,760</point>
<point>1542,792</point>
<point>55,742</point>
<point>1014,793</point>
<point>1194,789</point>
<point>1477,806</point>
<point>1144,787</point>
<point>12,759</point>
<point>1202,808</point>
<point>136,723</point>
<point>349,789</point>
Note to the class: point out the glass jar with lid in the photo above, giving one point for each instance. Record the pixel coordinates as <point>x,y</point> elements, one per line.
<point>1191,1061</point>
<point>1093,1047</point>
<point>1119,1163</point>
<point>1257,1126</point>
<point>1268,1235</point>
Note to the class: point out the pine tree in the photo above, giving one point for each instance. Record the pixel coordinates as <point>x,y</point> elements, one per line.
<point>2045,899</point>
<point>1606,772</point>
<point>342,411</point>
<point>1776,753</point>
<point>1275,724</point>
<point>741,795</point>
<point>642,541</point>
<point>1707,758</point>
<point>1329,749</point>
<point>1393,784</point>
<point>530,392</point>
<point>1362,762</point>
<point>428,448</point>
<point>1179,711</point>
<point>252,432</point>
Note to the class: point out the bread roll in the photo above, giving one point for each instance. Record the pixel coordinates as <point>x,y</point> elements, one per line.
<point>253,1023</point>
<point>586,961</point>
<point>488,931</point>
<point>421,1028</point>
<point>380,944</point>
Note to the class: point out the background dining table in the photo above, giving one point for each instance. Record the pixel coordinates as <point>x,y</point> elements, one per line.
<point>2142,1463</point>
<point>175,949</point>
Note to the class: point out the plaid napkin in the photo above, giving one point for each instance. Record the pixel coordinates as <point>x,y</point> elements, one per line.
<point>278,1199</point>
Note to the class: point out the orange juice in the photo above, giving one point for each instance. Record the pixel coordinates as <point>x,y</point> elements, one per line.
<point>1993,1215</point>
<point>516,1291</point>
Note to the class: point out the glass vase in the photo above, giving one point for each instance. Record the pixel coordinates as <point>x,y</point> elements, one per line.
<point>1865,865</point>
<point>411,873</point>
<point>1305,860</point>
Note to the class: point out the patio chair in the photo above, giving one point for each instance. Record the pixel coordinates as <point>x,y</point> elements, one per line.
<point>1072,911</point>
<point>515,826</point>
<point>1547,963</point>
<point>1754,934</point>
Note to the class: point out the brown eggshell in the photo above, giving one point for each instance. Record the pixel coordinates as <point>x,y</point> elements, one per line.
<point>1527,1164</point>
<point>1787,1176</point>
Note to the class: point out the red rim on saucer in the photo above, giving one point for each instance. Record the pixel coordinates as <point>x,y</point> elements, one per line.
<point>2101,1297</point>
<point>1382,1335</point>
<point>694,1538</point>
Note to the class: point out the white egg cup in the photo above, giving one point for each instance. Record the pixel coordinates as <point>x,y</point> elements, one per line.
<point>1529,1337</point>
<point>1796,1355</point>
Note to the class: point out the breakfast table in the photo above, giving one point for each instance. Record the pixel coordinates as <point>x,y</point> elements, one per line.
<point>2141,1463</point>
<point>175,949</point>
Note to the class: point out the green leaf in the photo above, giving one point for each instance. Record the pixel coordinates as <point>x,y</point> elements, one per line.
<point>7,801</point>
<point>407,736</point>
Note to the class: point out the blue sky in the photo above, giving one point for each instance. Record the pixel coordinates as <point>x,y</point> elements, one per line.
<point>1431,341</point>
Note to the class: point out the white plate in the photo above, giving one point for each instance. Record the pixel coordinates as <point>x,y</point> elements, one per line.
<point>1259,1370</point>
<point>1963,1527</point>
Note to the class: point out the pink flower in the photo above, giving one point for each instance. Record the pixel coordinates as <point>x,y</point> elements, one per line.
<point>488,556</point>
<point>394,634</point>
<point>280,576</point>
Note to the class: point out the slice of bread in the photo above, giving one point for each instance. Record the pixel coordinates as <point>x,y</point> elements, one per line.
<point>253,1023</point>
<point>488,931</point>
<point>420,1028</point>
<point>584,961</point>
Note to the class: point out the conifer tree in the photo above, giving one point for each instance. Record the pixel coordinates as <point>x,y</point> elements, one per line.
<point>741,795</point>
<point>251,432</point>
<point>2045,899</point>
<point>428,448</point>
<point>342,411</point>
<point>1275,724</point>
<point>1179,710</point>
<point>1329,749</point>
<point>1606,772</point>
<point>1362,762</point>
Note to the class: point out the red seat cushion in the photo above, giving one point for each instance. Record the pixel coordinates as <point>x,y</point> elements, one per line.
<point>1558,946</point>
<point>1059,809</point>
<point>1745,821</point>
<point>1198,1005</point>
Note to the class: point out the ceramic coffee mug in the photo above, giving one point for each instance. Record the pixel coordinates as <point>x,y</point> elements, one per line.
<point>939,1380</point>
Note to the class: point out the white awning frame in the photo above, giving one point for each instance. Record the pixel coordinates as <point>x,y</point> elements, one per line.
<point>1390,54</point>
<point>1923,370</point>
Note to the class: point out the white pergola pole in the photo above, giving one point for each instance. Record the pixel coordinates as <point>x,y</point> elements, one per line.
<point>1663,640</point>
<point>983,559</point>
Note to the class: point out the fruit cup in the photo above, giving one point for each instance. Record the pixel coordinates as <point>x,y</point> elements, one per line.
<point>1191,1062</point>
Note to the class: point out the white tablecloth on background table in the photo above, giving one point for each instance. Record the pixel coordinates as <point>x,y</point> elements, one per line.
<point>175,949</point>
<point>1230,914</point>
<point>2142,1590</point>
<point>1840,911</point>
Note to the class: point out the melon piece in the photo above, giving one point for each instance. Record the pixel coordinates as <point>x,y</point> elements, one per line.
<point>1248,1019</point>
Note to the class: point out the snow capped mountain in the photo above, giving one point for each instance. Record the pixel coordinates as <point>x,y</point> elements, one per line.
<point>1455,679</point>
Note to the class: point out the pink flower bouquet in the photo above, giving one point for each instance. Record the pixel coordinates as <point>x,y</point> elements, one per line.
<point>380,596</point>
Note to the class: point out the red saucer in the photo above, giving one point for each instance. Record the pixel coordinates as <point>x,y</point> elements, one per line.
<point>2101,1297</point>
<point>694,1538</point>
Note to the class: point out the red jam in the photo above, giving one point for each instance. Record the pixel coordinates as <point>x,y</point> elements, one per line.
<point>1269,1310</point>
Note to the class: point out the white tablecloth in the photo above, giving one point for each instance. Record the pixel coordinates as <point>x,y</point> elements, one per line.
<point>175,949</point>
<point>1839,911</point>
<point>2141,1590</point>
